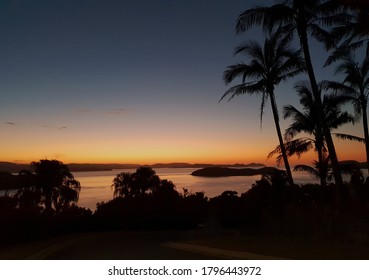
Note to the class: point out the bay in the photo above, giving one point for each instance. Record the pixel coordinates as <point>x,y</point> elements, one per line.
<point>96,185</point>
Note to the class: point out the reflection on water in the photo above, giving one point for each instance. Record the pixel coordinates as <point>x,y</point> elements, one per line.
<point>96,186</point>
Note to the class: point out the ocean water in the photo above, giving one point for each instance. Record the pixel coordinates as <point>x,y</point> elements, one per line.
<point>96,186</point>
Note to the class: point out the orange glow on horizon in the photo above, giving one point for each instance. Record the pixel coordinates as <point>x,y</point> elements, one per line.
<point>204,158</point>
<point>223,148</point>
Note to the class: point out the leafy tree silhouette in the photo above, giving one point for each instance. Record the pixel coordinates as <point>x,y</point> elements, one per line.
<point>135,184</point>
<point>56,184</point>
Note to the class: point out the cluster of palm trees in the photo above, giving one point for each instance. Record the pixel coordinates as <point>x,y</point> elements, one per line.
<point>339,25</point>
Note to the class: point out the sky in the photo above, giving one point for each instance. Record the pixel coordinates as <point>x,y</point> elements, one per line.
<point>133,82</point>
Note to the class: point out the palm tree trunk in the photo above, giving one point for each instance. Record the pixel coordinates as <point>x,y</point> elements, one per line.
<point>318,102</point>
<point>366,132</point>
<point>281,144</point>
<point>319,147</point>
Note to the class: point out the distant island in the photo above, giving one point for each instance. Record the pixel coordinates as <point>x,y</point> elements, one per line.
<point>76,167</point>
<point>226,172</point>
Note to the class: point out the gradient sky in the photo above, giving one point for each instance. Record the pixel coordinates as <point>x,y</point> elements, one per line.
<point>132,82</point>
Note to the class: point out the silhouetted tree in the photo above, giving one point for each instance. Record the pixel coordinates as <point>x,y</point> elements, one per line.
<point>355,86</point>
<point>56,184</point>
<point>268,65</point>
<point>306,121</point>
<point>166,189</point>
<point>135,184</point>
<point>352,34</point>
<point>361,10</point>
<point>304,18</point>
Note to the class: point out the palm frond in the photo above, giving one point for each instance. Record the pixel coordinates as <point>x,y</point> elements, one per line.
<point>250,49</point>
<point>262,106</point>
<point>294,147</point>
<point>250,17</point>
<point>320,34</point>
<point>234,71</point>
<point>245,88</point>
<point>339,88</point>
<point>308,169</point>
<point>267,17</point>
<point>345,49</point>
<point>343,136</point>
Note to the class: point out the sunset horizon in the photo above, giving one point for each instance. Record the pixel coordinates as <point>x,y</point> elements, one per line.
<point>306,159</point>
<point>184,130</point>
<point>80,86</point>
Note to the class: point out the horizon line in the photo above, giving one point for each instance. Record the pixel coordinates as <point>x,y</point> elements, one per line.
<point>141,164</point>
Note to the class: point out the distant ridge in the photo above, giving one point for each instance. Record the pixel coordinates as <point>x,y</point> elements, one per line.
<point>202,165</point>
<point>12,167</point>
<point>74,167</point>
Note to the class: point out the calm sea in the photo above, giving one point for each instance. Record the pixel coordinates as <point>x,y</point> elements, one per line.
<point>96,186</point>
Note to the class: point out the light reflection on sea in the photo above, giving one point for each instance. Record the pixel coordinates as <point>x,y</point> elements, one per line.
<point>96,185</point>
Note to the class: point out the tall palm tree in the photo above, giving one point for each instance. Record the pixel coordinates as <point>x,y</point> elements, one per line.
<point>56,183</point>
<point>306,121</point>
<point>304,18</point>
<point>355,86</point>
<point>268,65</point>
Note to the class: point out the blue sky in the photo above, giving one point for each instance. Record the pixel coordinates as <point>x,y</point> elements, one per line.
<point>127,81</point>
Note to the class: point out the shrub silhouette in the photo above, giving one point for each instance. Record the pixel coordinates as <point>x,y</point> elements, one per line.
<point>135,184</point>
<point>50,183</point>
<point>144,201</point>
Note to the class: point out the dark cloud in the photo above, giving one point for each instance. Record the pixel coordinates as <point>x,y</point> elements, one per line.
<point>62,127</point>
<point>10,123</point>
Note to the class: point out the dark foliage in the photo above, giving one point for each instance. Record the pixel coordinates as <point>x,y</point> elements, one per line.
<point>271,206</point>
<point>21,221</point>
<point>144,201</point>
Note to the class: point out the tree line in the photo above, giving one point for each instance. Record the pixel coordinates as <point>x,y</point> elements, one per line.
<point>45,205</point>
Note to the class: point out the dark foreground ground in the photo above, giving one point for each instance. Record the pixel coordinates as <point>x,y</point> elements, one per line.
<point>182,245</point>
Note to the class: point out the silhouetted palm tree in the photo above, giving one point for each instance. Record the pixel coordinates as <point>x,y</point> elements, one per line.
<point>304,17</point>
<point>268,65</point>
<point>361,8</point>
<point>355,86</point>
<point>306,121</point>
<point>56,183</point>
<point>351,35</point>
